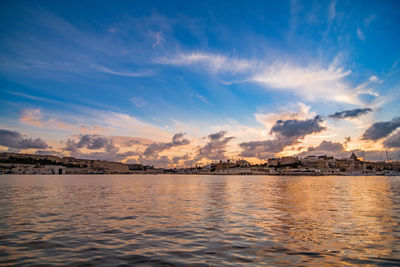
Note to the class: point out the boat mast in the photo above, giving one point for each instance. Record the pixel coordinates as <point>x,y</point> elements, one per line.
<point>387,155</point>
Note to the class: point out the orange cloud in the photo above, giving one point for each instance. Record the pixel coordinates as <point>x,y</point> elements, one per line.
<point>32,117</point>
<point>36,118</point>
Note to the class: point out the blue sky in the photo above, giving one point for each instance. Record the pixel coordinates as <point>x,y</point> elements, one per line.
<point>148,70</point>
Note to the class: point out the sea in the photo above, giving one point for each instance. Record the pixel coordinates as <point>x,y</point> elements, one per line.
<point>199,220</point>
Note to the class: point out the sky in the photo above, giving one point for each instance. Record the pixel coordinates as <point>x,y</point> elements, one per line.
<point>180,83</point>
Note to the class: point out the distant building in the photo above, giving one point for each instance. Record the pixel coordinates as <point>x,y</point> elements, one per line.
<point>56,169</point>
<point>109,167</point>
<point>242,163</point>
<point>289,160</point>
<point>273,162</point>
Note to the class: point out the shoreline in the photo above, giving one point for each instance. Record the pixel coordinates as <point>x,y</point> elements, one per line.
<point>198,174</point>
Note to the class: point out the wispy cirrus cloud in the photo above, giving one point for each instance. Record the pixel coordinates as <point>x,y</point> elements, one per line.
<point>360,34</point>
<point>203,99</point>
<point>313,81</point>
<point>32,117</point>
<point>331,12</point>
<point>94,121</point>
<point>139,102</point>
<point>107,70</point>
<point>59,48</point>
<point>122,123</point>
<point>158,38</point>
<point>213,62</point>
<point>35,117</point>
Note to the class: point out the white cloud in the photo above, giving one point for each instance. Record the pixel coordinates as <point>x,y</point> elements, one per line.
<point>158,38</point>
<point>123,123</point>
<point>203,99</point>
<point>121,73</point>
<point>373,78</point>
<point>93,121</point>
<point>332,11</point>
<point>313,82</point>
<point>213,62</point>
<point>360,34</point>
<point>138,102</point>
<point>369,20</point>
<point>35,117</point>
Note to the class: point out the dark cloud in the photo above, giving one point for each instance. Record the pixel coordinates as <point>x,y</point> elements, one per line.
<point>157,161</point>
<point>353,113</point>
<point>217,136</point>
<point>163,161</point>
<point>264,149</point>
<point>90,142</point>
<point>16,140</point>
<point>176,159</point>
<point>127,141</point>
<point>155,148</point>
<point>215,148</point>
<point>393,141</point>
<point>382,129</point>
<point>347,140</point>
<point>286,133</point>
<point>297,128</point>
<point>97,142</point>
<point>178,140</point>
<point>133,142</point>
<point>151,155</point>
<point>111,153</point>
<point>329,148</point>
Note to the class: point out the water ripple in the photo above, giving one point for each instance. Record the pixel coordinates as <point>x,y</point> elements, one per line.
<point>162,220</point>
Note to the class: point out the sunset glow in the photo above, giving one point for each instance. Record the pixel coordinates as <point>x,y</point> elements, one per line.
<point>175,84</point>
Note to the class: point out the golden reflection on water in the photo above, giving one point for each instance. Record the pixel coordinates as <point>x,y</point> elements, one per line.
<point>202,219</point>
<point>337,214</point>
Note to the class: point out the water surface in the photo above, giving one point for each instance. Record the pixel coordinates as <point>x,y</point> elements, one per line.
<point>199,220</point>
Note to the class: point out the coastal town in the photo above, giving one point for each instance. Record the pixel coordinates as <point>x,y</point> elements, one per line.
<point>15,163</point>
